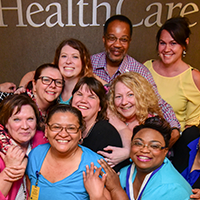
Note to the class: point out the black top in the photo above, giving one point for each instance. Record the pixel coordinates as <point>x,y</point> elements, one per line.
<point>101,135</point>
<point>182,151</point>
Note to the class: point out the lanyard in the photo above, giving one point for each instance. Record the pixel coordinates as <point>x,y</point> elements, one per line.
<point>129,187</point>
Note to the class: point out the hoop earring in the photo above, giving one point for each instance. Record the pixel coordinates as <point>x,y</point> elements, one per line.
<point>184,53</point>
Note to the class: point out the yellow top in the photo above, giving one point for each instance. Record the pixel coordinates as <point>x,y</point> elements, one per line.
<point>181,93</point>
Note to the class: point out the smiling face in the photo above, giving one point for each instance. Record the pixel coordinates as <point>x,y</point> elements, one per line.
<point>63,142</point>
<point>124,101</point>
<point>147,160</point>
<point>70,64</point>
<point>22,125</point>
<point>116,50</point>
<point>47,93</point>
<point>169,50</point>
<point>87,102</point>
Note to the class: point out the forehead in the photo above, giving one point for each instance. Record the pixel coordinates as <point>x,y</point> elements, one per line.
<point>117,27</point>
<point>64,118</point>
<point>25,109</point>
<point>121,87</point>
<point>51,72</point>
<point>148,135</point>
<point>69,49</point>
<point>165,35</point>
<point>86,89</point>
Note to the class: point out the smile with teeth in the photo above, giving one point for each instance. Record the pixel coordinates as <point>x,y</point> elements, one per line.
<point>143,158</point>
<point>83,107</point>
<point>49,92</point>
<point>126,108</point>
<point>68,68</point>
<point>63,141</point>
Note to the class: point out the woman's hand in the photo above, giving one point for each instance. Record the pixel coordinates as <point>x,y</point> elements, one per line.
<point>112,182</point>
<point>16,172</point>
<point>196,194</point>
<point>13,157</point>
<point>118,155</point>
<point>93,183</point>
<point>20,90</point>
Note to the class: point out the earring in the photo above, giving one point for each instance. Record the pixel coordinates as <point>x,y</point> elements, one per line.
<point>80,141</point>
<point>184,53</point>
<point>197,147</point>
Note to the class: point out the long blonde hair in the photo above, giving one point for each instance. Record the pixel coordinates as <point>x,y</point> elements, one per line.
<point>145,97</point>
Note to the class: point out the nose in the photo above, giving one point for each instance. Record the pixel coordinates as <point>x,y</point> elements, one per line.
<point>124,100</point>
<point>68,59</point>
<point>63,133</point>
<point>167,47</point>
<point>52,84</point>
<point>117,43</point>
<point>145,148</point>
<point>24,124</point>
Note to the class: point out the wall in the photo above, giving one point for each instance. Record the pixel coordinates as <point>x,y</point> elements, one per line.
<point>30,30</point>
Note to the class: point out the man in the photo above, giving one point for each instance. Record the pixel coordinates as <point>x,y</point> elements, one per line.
<point>6,89</point>
<point>114,61</point>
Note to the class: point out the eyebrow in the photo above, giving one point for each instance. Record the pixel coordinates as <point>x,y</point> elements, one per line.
<point>149,141</point>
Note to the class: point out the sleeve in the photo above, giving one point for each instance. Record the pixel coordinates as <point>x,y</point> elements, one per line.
<point>167,110</point>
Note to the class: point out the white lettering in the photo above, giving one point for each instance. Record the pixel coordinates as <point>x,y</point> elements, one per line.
<point>70,23</point>
<point>81,4</point>
<point>29,13</point>
<point>171,8</point>
<point>195,9</point>
<point>58,13</point>
<point>19,12</point>
<point>158,14</point>
<point>119,7</point>
<point>94,13</point>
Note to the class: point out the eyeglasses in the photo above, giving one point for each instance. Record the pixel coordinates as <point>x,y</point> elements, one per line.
<point>152,146</point>
<point>47,81</point>
<point>113,39</point>
<point>71,129</point>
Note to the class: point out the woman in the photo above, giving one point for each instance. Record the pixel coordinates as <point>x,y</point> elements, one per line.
<point>133,99</point>
<point>18,133</point>
<point>73,60</point>
<point>89,96</point>
<point>178,83</point>
<point>56,168</point>
<point>45,88</point>
<point>151,175</point>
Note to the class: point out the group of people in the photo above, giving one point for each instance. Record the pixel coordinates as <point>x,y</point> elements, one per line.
<point>77,122</point>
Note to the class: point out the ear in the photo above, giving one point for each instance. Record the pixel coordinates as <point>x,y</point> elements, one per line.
<point>45,131</point>
<point>104,39</point>
<point>166,151</point>
<point>187,41</point>
<point>34,85</point>
<point>99,108</point>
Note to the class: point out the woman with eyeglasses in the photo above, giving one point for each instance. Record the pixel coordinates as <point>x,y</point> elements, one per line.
<point>73,59</point>
<point>55,169</point>
<point>19,117</point>
<point>150,176</point>
<point>45,88</point>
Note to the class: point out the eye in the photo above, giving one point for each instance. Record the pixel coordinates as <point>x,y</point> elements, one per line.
<point>130,94</point>
<point>31,118</point>
<point>92,97</point>
<point>63,56</point>
<point>55,127</point>
<point>59,82</point>
<point>162,43</point>
<point>124,40</point>
<point>173,43</point>
<point>16,119</point>
<point>155,146</point>
<point>79,94</point>
<point>46,79</point>
<point>117,96</point>
<point>138,144</point>
<point>75,56</point>
<point>111,38</point>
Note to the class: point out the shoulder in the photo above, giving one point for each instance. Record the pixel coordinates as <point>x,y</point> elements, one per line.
<point>148,63</point>
<point>37,151</point>
<point>97,56</point>
<point>38,139</point>
<point>89,153</point>
<point>196,77</point>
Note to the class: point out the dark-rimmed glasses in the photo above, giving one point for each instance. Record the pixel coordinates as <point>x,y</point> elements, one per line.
<point>47,81</point>
<point>153,146</point>
<point>71,129</point>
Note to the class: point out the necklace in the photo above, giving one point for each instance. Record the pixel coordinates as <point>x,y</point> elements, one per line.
<point>90,130</point>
